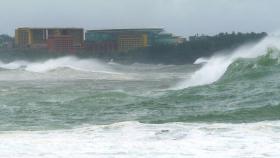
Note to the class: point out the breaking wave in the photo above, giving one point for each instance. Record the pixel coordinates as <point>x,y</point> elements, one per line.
<point>217,65</point>
<point>86,65</point>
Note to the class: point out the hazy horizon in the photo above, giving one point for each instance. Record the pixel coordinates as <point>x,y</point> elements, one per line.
<point>182,17</point>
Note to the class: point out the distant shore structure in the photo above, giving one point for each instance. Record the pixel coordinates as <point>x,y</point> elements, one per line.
<point>110,40</point>
<point>49,38</point>
<point>127,39</point>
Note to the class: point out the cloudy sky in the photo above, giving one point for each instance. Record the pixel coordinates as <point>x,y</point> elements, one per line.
<point>183,17</point>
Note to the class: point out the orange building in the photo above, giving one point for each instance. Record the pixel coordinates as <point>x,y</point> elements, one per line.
<point>61,43</point>
<point>44,38</point>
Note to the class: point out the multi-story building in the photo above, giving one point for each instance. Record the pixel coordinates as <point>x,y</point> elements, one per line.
<point>126,39</point>
<point>95,40</point>
<point>39,37</point>
<point>61,43</point>
<point>132,41</point>
<point>120,39</point>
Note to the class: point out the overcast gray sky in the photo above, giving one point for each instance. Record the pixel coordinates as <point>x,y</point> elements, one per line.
<point>183,17</point>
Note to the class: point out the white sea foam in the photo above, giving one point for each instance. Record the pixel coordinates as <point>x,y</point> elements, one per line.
<point>88,65</point>
<point>201,61</point>
<point>13,65</point>
<point>133,140</point>
<point>68,68</point>
<point>217,65</point>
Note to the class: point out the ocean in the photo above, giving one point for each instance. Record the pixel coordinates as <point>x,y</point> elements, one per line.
<point>224,106</point>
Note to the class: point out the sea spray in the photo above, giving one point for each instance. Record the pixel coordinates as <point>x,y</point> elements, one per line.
<point>217,65</point>
<point>88,65</point>
<point>201,61</point>
<point>13,65</point>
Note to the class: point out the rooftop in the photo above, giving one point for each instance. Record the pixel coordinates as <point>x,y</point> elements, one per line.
<point>127,30</point>
<point>49,28</point>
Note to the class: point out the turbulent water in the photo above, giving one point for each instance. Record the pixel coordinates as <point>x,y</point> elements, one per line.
<point>69,107</point>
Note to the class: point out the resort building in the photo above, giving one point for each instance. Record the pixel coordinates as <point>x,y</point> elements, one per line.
<point>65,39</point>
<point>61,43</point>
<point>49,38</point>
<point>127,39</point>
<point>120,39</point>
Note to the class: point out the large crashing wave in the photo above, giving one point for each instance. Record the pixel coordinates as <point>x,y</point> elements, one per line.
<point>253,69</point>
<point>217,65</point>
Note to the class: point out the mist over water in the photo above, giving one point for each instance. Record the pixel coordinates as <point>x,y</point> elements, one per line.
<point>89,65</point>
<point>224,106</point>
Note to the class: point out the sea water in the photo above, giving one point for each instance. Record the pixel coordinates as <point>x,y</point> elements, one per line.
<point>226,106</point>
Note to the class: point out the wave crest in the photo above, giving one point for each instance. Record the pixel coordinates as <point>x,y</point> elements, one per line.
<point>87,65</point>
<point>217,65</point>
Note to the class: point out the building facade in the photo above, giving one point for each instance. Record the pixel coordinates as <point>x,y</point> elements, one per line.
<point>61,43</point>
<point>39,37</point>
<point>127,39</point>
<point>120,39</point>
<point>132,41</point>
<point>95,40</point>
